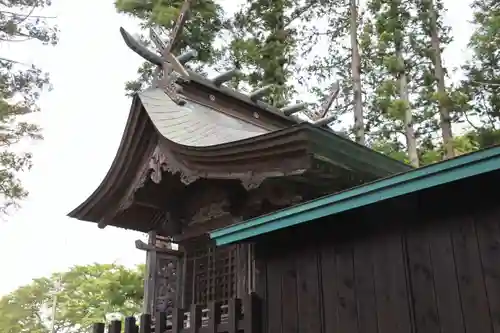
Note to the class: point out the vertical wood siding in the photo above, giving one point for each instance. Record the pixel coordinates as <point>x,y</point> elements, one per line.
<point>438,274</point>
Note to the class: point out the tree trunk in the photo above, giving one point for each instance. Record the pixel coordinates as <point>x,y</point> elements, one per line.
<point>444,113</point>
<point>411,142</point>
<point>359,131</point>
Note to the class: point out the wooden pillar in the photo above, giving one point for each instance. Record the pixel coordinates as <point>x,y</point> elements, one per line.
<point>159,289</point>
<point>149,280</point>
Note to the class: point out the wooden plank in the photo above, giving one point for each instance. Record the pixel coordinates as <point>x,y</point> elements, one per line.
<point>180,284</point>
<point>365,286</point>
<point>401,304</point>
<point>130,326</point>
<point>145,323</point>
<point>329,286</point>
<point>115,326</point>
<point>160,322</point>
<point>445,279</point>
<point>390,283</point>
<point>195,318</point>
<point>177,320</point>
<point>98,328</point>
<point>213,316</point>
<point>252,303</point>
<point>260,278</point>
<point>422,281</point>
<point>308,290</point>
<point>289,297</point>
<point>383,280</point>
<point>346,298</point>
<point>234,306</point>
<point>470,278</point>
<point>488,232</point>
<point>274,295</point>
<point>242,270</point>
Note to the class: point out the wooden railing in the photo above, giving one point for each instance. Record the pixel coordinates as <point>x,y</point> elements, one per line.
<point>237,316</point>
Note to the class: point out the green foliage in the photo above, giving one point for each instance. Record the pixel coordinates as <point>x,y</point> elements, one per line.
<point>400,43</point>
<point>482,85</point>
<point>85,294</point>
<point>263,47</point>
<point>20,88</point>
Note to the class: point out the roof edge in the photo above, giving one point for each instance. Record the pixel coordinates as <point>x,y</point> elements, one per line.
<point>119,162</point>
<point>465,166</point>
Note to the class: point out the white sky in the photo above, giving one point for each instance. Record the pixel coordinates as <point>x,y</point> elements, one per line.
<point>83,119</point>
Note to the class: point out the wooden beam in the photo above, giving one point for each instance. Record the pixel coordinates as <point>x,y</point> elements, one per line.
<point>140,245</point>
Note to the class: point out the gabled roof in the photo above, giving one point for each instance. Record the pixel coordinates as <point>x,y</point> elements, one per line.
<point>448,171</point>
<point>219,143</point>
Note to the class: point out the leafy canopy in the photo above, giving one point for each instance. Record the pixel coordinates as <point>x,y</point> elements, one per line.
<point>85,295</point>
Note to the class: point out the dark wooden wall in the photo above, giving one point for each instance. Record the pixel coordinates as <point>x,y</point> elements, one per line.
<point>425,263</point>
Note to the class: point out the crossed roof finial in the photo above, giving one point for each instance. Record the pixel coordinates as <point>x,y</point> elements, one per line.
<point>175,35</point>
<point>171,68</point>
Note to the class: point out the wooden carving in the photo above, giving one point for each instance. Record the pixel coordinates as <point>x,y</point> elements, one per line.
<point>211,211</point>
<point>161,160</point>
<point>166,283</point>
<point>161,284</point>
<point>252,182</point>
<point>279,195</point>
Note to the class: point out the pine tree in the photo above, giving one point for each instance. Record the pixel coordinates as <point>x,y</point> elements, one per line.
<point>263,47</point>
<point>482,84</point>
<point>359,130</point>
<point>395,60</point>
<point>430,19</point>
<point>344,62</point>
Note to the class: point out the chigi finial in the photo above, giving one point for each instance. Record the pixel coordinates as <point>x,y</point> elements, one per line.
<point>327,104</point>
<point>172,68</point>
<point>171,71</point>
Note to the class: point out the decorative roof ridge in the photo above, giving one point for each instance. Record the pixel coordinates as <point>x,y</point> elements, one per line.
<point>171,75</point>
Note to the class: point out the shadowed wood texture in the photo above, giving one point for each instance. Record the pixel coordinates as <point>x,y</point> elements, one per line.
<point>424,263</point>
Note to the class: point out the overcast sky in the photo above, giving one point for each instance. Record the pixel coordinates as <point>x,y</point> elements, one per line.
<point>83,119</point>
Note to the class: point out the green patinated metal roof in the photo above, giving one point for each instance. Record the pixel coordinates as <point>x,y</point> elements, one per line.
<point>465,166</point>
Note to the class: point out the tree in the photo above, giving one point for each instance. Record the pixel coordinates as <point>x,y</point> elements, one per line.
<point>482,83</point>
<point>433,27</point>
<point>392,21</point>
<point>85,295</point>
<point>359,129</point>
<point>344,62</point>
<point>263,47</point>
<point>20,88</point>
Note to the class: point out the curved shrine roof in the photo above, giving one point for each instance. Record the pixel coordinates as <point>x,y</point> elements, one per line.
<point>215,135</point>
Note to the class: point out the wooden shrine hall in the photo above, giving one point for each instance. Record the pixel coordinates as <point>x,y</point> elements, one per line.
<point>214,159</point>
<point>323,234</point>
